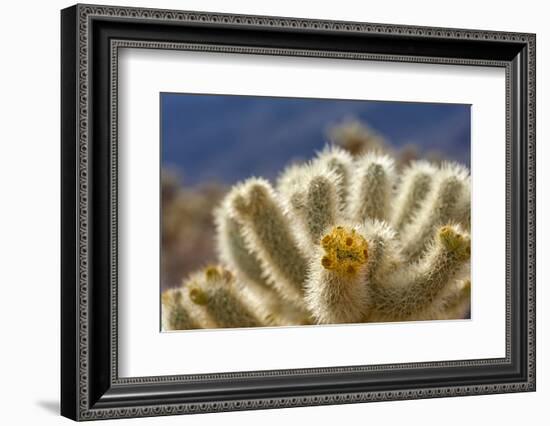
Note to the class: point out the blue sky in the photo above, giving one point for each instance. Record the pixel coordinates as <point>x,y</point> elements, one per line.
<point>229,138</point>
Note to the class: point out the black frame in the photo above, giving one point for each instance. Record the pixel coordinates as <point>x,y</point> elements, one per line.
<point>91,37</point>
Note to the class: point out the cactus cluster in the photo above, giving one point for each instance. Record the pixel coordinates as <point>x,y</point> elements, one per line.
<point>357,138</point>
<point>338,239</point>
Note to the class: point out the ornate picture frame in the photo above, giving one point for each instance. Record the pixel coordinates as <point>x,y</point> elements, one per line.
<point>91,37</point>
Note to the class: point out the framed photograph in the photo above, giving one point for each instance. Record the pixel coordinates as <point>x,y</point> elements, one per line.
<point>263,212</point>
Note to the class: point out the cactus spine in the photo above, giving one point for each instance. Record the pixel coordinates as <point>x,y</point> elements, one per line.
<point>340,240</point>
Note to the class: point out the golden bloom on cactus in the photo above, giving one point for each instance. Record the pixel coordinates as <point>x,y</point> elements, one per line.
<point>335,289</point>
<point>345,251</point>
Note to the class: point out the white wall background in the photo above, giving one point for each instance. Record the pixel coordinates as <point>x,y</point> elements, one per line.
<point>29,211</point>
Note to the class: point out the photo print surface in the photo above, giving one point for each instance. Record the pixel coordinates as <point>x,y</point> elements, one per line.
<point>300,212</point>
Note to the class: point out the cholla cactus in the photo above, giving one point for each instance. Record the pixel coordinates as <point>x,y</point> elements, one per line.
<point>357,138</point>
<point>338,240</point>
<point>212,298</point>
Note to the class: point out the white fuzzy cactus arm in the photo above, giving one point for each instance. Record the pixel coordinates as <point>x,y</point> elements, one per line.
<point>311,197</point>
<point>268,235</point>
<point>410,292</point>
<point>336,292</point>
<point>415,184</point>
<point>216,292</point>
<point>371,188</point>
<point>175,316</point>
<point>441,207</point>
<point>455,303</point>
<point>384,252</point>
<point>340,163</point>
<point>232,249</point>
<point>462,214</point>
